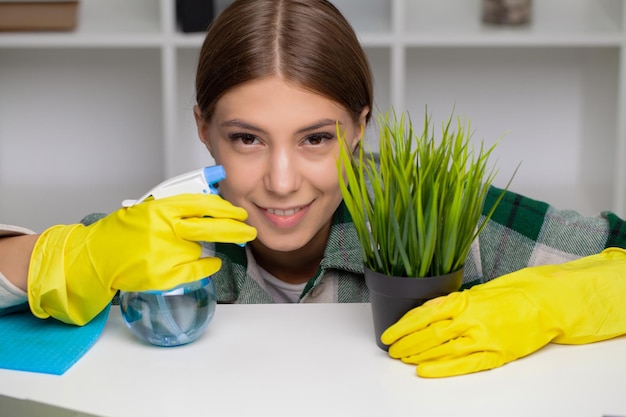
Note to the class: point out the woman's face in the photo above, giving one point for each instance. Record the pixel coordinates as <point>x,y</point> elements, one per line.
<point>279,147</point>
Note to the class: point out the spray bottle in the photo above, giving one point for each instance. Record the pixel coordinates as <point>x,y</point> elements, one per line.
<point>180,315</point>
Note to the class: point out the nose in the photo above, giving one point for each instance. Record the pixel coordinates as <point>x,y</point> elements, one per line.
<point>282,174</point>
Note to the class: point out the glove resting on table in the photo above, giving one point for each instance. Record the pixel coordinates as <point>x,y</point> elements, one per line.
<point>491,324</point>
<point>75,270</point>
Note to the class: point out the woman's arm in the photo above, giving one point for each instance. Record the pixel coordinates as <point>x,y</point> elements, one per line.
<point>15,252</point>
<point>524,232</point>
<point>577,302</point>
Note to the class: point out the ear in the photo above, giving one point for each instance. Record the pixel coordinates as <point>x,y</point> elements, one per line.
<point>203,127</point>
<point>361,127</point>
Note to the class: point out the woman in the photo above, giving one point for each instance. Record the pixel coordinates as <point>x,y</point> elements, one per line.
<point>275,79</point>
<point>268,104</point>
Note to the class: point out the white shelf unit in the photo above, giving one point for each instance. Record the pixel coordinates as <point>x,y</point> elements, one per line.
<point>94,116</point>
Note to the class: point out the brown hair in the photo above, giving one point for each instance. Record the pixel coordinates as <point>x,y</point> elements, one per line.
<point>307,42</point>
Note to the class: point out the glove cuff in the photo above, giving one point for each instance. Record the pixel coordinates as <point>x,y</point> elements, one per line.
<point>51,292</point>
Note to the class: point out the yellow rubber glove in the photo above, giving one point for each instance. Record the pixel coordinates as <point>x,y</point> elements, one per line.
<point>75,270</point>
<point>491,324</point>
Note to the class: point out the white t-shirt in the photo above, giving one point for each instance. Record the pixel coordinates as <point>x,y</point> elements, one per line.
<point>281,292</point>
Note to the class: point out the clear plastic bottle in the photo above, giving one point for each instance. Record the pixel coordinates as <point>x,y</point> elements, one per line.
<point>170,318</point>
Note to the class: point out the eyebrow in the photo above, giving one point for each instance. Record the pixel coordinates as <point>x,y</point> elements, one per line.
<point>244,125</point>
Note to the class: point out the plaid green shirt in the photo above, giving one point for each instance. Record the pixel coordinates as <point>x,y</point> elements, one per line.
<point>522,232</point>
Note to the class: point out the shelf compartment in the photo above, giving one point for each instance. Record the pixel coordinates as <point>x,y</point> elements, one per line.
<point>111,23</point>
<point>556,110</point>
<point>554,23</point>
<point>119,17</point>
<point>80,131</point>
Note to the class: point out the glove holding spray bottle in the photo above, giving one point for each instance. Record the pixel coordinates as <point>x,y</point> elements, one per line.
<point>75,270</point>
<point>179,315</point>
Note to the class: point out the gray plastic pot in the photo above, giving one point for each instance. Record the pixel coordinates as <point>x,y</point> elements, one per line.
<point>391,297</point>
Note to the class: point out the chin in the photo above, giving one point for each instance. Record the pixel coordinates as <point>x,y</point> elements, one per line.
<point>284,248</point>
<point>282,244</point>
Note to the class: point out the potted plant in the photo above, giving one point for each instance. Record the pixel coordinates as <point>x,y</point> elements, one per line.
<point>417,208</point>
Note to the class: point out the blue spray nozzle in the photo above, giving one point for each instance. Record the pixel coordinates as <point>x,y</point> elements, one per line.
<point>213,175</point>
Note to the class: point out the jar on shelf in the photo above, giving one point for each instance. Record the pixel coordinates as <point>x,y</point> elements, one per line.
<point>506,12</point>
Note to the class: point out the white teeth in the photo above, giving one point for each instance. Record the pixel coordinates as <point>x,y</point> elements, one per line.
<point>279,212</point>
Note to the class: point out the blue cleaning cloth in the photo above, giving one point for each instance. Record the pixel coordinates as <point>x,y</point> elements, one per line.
<point>45,346</point>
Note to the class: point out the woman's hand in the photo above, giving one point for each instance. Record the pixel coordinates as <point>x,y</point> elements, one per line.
<point>75,270</point>
<point>491,324</point>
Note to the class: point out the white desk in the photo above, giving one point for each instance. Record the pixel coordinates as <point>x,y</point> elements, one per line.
<point>316,360</point>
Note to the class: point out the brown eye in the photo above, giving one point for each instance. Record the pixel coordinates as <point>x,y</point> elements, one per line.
<point>244,138</point>
<point>318,138</point>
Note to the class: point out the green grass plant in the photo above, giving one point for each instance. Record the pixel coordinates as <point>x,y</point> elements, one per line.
<point>417,205</point>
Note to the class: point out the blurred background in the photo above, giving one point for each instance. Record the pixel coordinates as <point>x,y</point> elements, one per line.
<point>99,109</point>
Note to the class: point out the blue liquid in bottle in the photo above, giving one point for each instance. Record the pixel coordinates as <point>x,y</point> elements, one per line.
<point>170,318</point>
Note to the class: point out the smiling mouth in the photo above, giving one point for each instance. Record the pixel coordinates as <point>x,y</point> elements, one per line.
<point>285,218</point>
<point>279,212</point>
